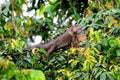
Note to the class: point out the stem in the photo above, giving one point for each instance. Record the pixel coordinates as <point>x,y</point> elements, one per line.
<point>13,18</point>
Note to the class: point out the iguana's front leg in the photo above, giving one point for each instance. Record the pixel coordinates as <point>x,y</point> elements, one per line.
<point>74,42</point>
<point>51,49</point>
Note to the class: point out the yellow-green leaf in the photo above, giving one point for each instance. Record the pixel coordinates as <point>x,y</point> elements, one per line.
<point>34,74</point>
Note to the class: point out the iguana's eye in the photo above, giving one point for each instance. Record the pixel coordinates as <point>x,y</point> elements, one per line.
<point>78,31</point>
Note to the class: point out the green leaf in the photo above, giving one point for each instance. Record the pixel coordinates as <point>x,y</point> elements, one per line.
<point>98,74</point>
<point>95,49</point>
<point>97,35</point>
<point>52,60</point>
<point>7,27</point>
<point>93,59</point>
<point>86,79</point>
<point>6,10</point>
<point>43,51</point>
<point>103,76</point>
<point>49,8</point>
<point>60,58</point>
<point>118,52</point>
<point>110,76</point>
<point>50,26</point>
<point>112,42</point>
<point>77,74</point>
<point>105,42</point>
<point>94,71</point>
<point>34,74</point>
<point>37,75</point>
<point>92,52</point>
<point>86,66</point>
<point>20,50</point>
<point>74,63</point>
<point>52,1</point>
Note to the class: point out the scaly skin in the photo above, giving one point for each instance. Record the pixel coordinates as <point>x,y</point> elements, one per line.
<point>73,36</point>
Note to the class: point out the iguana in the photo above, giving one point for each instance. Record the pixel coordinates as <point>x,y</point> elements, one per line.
<point>71,37</point>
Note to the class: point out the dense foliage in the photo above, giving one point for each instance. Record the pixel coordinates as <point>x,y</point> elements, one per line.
<point>98,58</point>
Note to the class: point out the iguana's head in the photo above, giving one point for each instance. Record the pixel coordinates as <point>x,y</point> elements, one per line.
<point>79,32</point>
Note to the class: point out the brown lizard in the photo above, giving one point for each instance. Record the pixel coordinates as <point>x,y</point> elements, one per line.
<point>72,37</point>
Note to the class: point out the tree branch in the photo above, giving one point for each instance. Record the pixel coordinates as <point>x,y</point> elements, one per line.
<point>13,18</point>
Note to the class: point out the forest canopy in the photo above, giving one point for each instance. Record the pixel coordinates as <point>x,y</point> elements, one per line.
<point>97,58</point>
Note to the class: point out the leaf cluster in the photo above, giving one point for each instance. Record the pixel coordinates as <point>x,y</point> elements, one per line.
<point>98,58</point>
